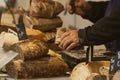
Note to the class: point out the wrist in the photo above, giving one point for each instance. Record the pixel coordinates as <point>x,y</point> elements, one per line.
<point>81,36</point>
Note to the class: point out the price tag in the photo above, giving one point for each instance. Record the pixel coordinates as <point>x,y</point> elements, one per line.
<point>20,27</point>
<point>115,63</point>
<point>112,66</point>
<point>21,32</point>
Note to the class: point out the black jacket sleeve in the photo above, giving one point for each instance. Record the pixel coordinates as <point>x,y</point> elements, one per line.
<point>104,30</point>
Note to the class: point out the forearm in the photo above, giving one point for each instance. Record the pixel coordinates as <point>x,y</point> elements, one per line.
<point>104,30</point>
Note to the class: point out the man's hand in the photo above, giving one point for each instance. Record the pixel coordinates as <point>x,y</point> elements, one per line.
<point>69,40</point>
<point>81,7</point>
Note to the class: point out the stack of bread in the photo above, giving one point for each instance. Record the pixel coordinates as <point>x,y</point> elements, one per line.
<point>43,16</point>
<point>34,59</point>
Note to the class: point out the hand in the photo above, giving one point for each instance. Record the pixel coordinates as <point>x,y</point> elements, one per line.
<point>69,40</point>
<point>81,7</point>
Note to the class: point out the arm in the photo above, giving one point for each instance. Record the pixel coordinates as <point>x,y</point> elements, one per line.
<point>92,10</point>
<point>104,30</point>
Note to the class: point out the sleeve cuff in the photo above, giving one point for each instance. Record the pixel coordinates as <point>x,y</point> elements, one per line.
<point>82,37</point>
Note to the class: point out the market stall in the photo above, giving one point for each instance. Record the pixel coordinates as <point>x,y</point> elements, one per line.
<point>34,35</point>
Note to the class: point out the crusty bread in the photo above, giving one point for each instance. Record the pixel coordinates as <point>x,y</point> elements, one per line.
<point>45,8</point>
<point>84,71</point>
<point>36,34</point>
<point>44,67</point>
<point>30,49</point>
<point>42,24</point>
<point>31,33</point>
<point>8,39</point>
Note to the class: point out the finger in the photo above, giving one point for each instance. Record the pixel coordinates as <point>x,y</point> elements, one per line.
<point>62,42</point>
<point>65,35</point>
<point>66,43</point>
<point>72,45</point>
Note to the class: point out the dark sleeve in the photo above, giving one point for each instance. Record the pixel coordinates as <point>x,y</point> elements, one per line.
<point>97,10</point>
<point>104,30</point>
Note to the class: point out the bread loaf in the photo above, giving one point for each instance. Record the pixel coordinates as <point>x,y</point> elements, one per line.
<point>8,39</point>
<point>44,67</point>
<point>80,72</point>
<point>31,33</point>
<point>96,76</point>
<point>104,71</point>
<point>84,71</point>
<point>45,8</point>
<point>36,34</point>
<point>59,33</point>
<point>50,35</point>
<point>5,28</point>
<point>42,24</point>
<point>30,49</point>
